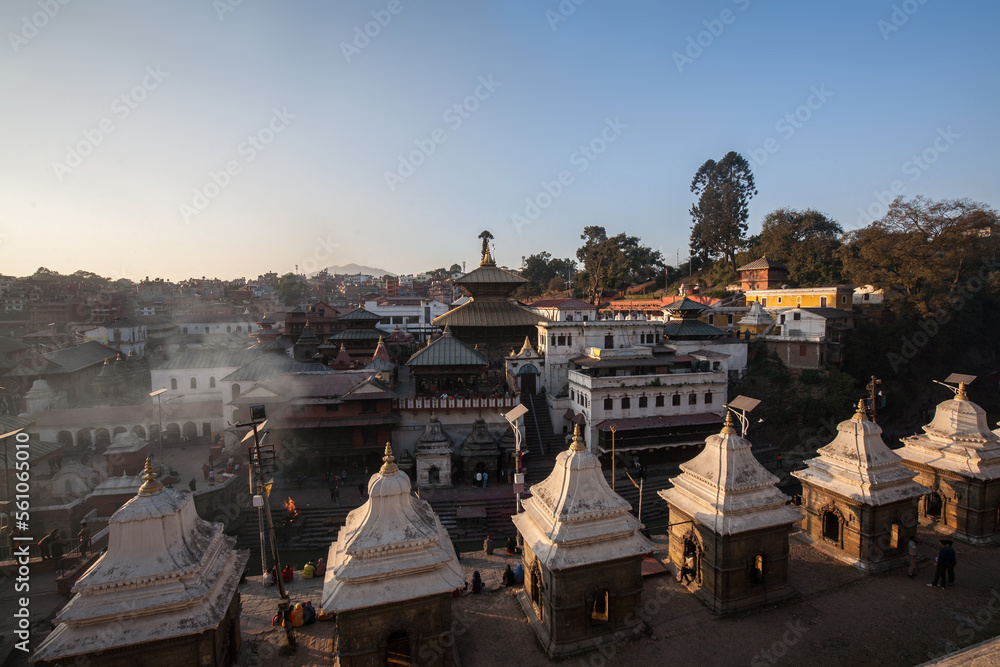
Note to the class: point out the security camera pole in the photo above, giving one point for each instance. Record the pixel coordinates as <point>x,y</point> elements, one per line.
<point>258,419</point>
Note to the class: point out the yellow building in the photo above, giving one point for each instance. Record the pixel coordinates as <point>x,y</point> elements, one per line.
<point>833,296</point>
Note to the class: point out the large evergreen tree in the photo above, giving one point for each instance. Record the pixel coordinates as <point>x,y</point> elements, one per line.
<point>724,190</point>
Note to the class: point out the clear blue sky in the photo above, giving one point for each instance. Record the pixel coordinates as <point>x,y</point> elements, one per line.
<point>91,180</point>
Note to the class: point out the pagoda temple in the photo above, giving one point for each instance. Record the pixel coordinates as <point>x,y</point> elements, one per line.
<point>727,514</point>
<point>958,458</point>
<point>582,557</point>
<point>491,319</point>
<point>390,578</point>
<point>860,501</point>
<point>164,593</point>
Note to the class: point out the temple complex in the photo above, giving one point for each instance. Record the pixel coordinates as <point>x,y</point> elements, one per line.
<point>165,592</point>
<point>582,557</point>
<point>446,365</point>
<point>390,578</point>
<point>958,458</point>
<point>727,514</point>
<point>480,452</point>
<point>433,456</point>
<point>491,319</point>
<point>860,501</point>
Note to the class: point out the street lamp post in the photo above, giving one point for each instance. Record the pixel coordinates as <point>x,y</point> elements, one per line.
<point>512,418</point>
<point>159,422</point>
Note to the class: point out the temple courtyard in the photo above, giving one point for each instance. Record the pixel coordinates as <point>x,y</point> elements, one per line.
<point>841,616</point>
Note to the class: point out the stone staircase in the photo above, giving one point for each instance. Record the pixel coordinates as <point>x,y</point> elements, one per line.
<point>542,444</point>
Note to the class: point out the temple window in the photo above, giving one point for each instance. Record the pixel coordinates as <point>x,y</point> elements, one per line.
<point>676,399</point>
<point>609,404</point>
<point>599,612</point>
<point>643,402</point>
<point>626,403</point>
<point>659,400</point>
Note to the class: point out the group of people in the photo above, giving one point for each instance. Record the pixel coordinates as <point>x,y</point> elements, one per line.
<point>312,569</point>
<point>52,547</point>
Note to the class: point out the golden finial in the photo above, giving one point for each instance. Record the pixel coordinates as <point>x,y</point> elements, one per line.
<point>487,258</point>
<point>577,444</point>
<point>389,466</point>
<point>151,485</point>
<point>961,395</point>
<point>727,427</point>
<point>860,415</point>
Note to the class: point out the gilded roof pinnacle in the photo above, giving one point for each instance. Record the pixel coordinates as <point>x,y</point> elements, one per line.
<point>860,415</point>
<point>727,427</point>
<point>577,445</point>
<point>151,485</point>
<point>389,466</point>
<point>962,395</point>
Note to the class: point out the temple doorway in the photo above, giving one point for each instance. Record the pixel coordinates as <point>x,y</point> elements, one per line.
<point>397,650</point>
<point>434,475</point>
<point>934,504</point>
<point>691,549</point>
<point>526,376</point>
<point>831,526</point>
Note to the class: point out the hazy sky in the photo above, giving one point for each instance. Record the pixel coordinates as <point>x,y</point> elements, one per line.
<point>191,138</point>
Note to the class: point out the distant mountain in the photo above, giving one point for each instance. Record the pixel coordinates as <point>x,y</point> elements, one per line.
<point>354,269</point>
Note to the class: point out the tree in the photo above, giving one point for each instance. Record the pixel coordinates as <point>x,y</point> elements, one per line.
<point>925,250</point>
<point>615,263</point>
<point>291,289</point>
<point>805,242</point>
<point>540,270</point>
<point>455,268</point>
<point>724,191</point>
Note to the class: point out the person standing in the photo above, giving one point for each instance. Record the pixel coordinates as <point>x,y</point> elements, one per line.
<point>687,571</point>
<point>56,548</point>
<point>941,569</point>
<point>488,545</point>
<point>45,544</point>
<point>486,478</point>
<point>950,561</point>
<point>911,549</point>
<point>211,477</point>
<point>361,489</point>
<point>84,536</point>
<point>479,479</point>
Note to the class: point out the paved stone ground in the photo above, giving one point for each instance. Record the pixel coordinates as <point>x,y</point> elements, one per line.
<point>842,617</point>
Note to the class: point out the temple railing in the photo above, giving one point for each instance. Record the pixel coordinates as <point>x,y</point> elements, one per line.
<point>456,403</point>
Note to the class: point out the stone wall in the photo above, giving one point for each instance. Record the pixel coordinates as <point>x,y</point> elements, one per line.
<point>362,636</point>
<point>970,509</point>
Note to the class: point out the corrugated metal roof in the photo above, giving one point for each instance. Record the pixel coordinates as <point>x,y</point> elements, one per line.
<point>562,303</point>
<point>222,358</point>
<point>636,423</point>
<point>81,356</point>
<point>489,314</point>
<point>762,263</point>
<point>691,329</point>
<point>357,334</point>
<point>271,365</point>
<point>360,314</point>
<point>490,274</point>
<point>685,304</point>
<point>447,351</point>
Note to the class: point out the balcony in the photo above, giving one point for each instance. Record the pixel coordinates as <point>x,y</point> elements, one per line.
<point>637,381</point>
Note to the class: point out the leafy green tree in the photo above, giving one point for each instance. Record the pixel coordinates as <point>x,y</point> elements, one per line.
<point>925,250</point>
<point>455,268</point>
<point>724,191</point>
<point>615,262</point>
<point>805,242</point>
<point>291,289</point>
<point>540,270</point>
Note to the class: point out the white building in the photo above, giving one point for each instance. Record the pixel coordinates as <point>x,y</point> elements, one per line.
<point>124,335</point>
<point>565,310</point>
<point>411,314</point>
<point>656,392</point>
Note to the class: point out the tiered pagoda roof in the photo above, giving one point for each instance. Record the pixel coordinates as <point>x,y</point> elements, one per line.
<point>391,549</point>
<point>727,490</point>
<point>573,517</point>
<point>858,465</point>
<point>958,440</point>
